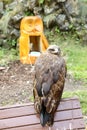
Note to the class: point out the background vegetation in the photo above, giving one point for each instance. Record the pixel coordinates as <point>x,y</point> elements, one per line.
<point>74,51</point>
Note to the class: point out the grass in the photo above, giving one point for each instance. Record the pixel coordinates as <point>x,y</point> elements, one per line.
<point>77,61</point>
<point>7,55</point>
<point>81,94</point>
<point>75,54</point>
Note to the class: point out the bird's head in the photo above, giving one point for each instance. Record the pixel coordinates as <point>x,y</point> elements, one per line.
<point>54,49</point>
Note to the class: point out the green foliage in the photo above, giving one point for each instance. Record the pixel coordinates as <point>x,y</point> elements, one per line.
<point>1,53</point>
<point>73,51</point>
<point>57,30</point>
<point>83,0</point>
<point>72,28</point>
<point>12,42</point>
<point>31,98</point>
<point>77,61</point>
<point>7,1</point>
<point>41,1</point>
<point>8,55</point>
<point>82,95</point>
<point>28,13</point>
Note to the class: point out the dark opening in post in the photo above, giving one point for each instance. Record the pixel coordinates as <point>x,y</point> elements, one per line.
<point>35,43</point>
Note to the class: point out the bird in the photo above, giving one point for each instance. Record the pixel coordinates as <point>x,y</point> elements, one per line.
<point>50,74</point>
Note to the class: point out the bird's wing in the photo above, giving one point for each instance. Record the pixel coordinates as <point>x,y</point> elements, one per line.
<point>37,101</point>
<point>54,96</point>
<point>50,71</point>
<point>55,93</point>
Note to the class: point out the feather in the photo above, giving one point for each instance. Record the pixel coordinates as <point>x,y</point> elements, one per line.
<point>44,116</point>
<point>50,73</point>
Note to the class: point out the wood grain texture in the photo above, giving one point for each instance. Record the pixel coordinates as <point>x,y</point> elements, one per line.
<point>24,117</point>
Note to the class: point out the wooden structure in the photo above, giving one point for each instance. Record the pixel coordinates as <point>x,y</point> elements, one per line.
<point>32,39</point>
<point>24,117</point>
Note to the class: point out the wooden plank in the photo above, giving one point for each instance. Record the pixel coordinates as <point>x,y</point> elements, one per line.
<point>24,117</point>
<point>16,112</point>
<point>65,125</point>
<point>70,124</point>
<point>34,119</point>
<point>69,104</point>
<point>66,115</point>
<point>28,109</point>
<point>74,99</point>
<point>16,106</point>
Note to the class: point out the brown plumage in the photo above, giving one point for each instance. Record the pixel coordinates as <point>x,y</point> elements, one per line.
<point>50,73</point>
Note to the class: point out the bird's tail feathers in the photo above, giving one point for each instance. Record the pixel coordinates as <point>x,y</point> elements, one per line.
<point>44,116</point>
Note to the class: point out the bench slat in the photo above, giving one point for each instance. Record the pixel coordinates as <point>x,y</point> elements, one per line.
<point>77,124</point>
<point>24,117</point>
<point>29,109</point>
<point>34,119</point>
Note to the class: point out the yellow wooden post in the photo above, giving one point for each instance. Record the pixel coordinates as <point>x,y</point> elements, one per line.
<point>31,32</point>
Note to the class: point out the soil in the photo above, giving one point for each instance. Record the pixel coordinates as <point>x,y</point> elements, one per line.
<point>16,83</point>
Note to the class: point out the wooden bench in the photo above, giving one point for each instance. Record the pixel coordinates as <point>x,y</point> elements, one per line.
<point>24,117</point>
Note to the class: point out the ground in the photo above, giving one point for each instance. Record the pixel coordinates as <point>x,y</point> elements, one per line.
<point>16,83</point>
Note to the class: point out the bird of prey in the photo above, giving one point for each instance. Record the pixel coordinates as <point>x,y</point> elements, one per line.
<point>50,73</point>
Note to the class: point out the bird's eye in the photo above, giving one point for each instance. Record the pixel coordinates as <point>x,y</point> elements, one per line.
<point>51,49</point>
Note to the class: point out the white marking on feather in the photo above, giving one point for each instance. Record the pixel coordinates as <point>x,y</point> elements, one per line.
<point>55,50</point>
<point>42,92</point>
